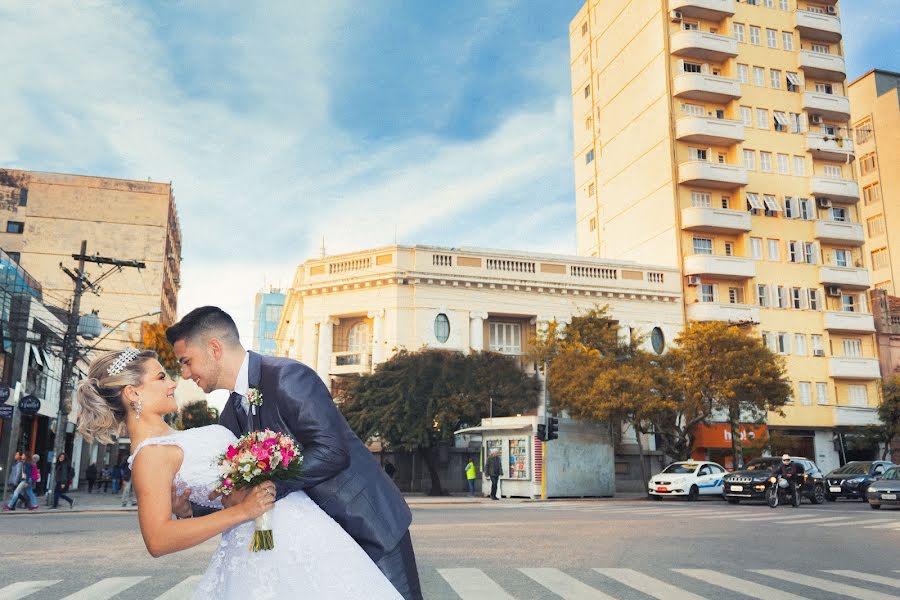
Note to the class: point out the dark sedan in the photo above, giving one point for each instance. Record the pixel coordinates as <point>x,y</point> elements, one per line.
<point>853,479</point>
<point>885,491</point>
<point>749,483</point>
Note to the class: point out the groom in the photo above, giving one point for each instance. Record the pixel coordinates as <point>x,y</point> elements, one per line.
<point>339,473</point>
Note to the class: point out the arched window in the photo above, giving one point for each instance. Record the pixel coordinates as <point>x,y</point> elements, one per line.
<point>442,328</point>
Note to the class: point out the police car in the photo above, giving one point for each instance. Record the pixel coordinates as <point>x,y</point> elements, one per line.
<point>688,478</point>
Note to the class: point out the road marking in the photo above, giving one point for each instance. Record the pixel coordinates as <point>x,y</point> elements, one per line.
<point>564,585</point>
<point>779,517</point>
<point>183,590</point>
<point>851,591</point>
<point>814,521</point>
<point>746,588</point>
<point>888,581</point>
<point>868,523</point>
<point>881,526</point>
<point>473,584</point>
<point>648,585</point>
<point>105,588</point>
<point>20,589</point>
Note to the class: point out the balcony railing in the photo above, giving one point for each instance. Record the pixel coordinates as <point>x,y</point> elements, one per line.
<point>850,322</point>
<point>712,175</point>
<point>703,45</point>
<point>855,278</point>
<point>839,232</point>
<point>843,367</point>
<point>817,26</point>
<point>848,416</point>
<point>719,267</point>
<point>351,363</point>
<point>828,147</point>
<point>712,10</point>
<point>706,88</point>
<point>823,66</point>
<point>731,313</point>
<point>830,106</point>
<point>715,220</point>
<point>839,190</point>
<point>709,130</point>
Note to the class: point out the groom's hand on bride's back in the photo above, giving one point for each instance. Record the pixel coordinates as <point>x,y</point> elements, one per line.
<point>181,505</point>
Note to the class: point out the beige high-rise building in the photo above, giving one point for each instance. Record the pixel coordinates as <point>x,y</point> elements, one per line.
<point>712,136</point>
<point>47,215</point>
<point>875,111</point>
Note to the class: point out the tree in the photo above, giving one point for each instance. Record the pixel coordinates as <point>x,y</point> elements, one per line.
<point>153,337</point>
<point>196,414</point>
<point>416,400</point>
<point>721,369</point>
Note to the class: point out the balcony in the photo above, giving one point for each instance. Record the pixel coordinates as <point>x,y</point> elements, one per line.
<point>830,106</point>
<point>711,10</point>
<point>849,416</point>
<point>840,233</point>
<point>711,175</point>
<point>843,367</point>
<point>817,26</point>
<point>715,220</point>
<point>853,278</point>
<point>826,147</point>
<point>822,66</point>
<point>849,322</point>
<point>706,88</point>
<point>719,267</point>
<point>351,363</point>
<point>709,130</point>
<point>702,45</point>
<point>731,313</point>
<point>838,190</point>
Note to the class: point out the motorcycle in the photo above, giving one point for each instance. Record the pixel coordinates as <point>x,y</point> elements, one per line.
<point>780,490</point>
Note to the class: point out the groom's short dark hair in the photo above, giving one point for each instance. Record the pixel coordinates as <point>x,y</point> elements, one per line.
<point>204,322</point>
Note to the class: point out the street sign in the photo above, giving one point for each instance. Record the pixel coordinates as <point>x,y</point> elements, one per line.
<point>4,393</point>
<point>30,405</point>
<point>6,411</point>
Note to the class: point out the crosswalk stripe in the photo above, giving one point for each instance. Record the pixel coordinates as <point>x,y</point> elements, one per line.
<point>473,584</point>
<point>648,585</point>
<point>565,586</point>
<point>105,588</point>
<point>828,585</point>
<point>815,521</point>
<point>888,581</point>
<point>868,523</point>
<point>183,590</point>
<point>778,517</point>
<point>883,521</point>
<point>20,589</point>
<point>746,588</point>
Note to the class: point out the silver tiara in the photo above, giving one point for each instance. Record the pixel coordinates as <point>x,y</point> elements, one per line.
<point>126,356</point>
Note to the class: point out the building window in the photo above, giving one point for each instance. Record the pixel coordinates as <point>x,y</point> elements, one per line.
<point>689,67</point>
<point>804,389</point>
<point>872,193</point>
<point>800,344</point>
<point>784,5</point>
<point>773,250</point>
<point>729,248</point>
<point>23,197</point>
<point>14,256</point>
<point>771,38</point>
<point>783,343</point>
<point>842,258</point>
<point>754,202</point>
<point>442,328</point>
<point>735,295</point>
<point>875,226</point>
<point>584,28</point>
<point>690,26</point>
<point>702,246</point>
<point>783,297</point>
<point>848,303</point>
<point>765,162</point>
<point>592,224</point>
<point>15,227</point>
<point>795,253</point>
<point>775,79</point>
<point>762,118</point>
<point>852,348</point>
<point>693,109</point>
<point>591,189</point>
<point>816,344</point>
<point>787,40</point>
<point>833,171</point>
<point>750,160</point>
<point>657,340</point>
<point>700,199</point>
<point>759,76</point>
<point>857,395</point>
<point>743,73</point>
<point>707,292</point>
<point>784,164</point>
<point>756,248</point>
<point>739,32</point>
<point>822,393</point>
<point>839,214</point>
<point>800,166</point>
<point>747,116</point>
<point>864,132</point>
<point>867,164</point>
<point>697,153</point>
<point>506,338</point>
<point>589,157</point>
<point>806,209</point>
<point>587,91</point>
<point>754,35</point>
<point>813,298</point>
<point>762,295</point>
<point>820,49</point>
<point>781,121</point>
<point>770,3</point>
<point>880,259</point>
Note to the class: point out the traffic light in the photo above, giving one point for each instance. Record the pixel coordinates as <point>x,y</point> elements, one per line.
<point>542,432</point>
<point>552,428</point>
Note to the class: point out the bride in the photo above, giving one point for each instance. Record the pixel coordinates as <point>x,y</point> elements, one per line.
<point>313,556</point>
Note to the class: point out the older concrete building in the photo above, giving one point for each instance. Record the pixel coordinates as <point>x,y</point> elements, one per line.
<point>875,110</point>
<point>712,136</point>
<point>887,326</point>
<point>47,215</point>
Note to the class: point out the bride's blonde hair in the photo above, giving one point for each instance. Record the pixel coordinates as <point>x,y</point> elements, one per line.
<point>101,407</point>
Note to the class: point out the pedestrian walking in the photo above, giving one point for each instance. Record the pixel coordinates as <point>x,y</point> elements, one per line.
<point>20,476</point>
<point>104,479</point>
<point>116,476</point>
<point>63,476</point>
<point>127,493</point>
<point>493,468</point>
<point>470,476</point>
<point>91,475</point>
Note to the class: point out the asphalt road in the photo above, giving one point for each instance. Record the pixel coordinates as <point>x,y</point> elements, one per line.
<point>592,549</point>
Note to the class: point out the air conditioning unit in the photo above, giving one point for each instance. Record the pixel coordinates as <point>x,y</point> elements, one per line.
<point>818,353</point>
<point>815,119</point>
<point>823,202</point>
<point>833,290</point>
<point>675,15</point>
<point>693,280</point>
<point>832,10</point>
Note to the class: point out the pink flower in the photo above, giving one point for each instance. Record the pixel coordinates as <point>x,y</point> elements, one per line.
<point>286,456</point>
<point>227,482</point>
<point>269,443</point>
<point>231,452</point>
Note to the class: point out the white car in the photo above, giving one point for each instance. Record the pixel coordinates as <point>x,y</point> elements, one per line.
<point>688,478</point>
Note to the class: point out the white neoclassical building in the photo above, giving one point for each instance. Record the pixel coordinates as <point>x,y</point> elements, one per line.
<point>344,314</point>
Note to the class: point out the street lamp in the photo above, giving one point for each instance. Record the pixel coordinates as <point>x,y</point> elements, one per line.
<point>116,326</point>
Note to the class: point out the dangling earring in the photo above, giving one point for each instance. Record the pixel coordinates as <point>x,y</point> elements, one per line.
<point>137,408</point>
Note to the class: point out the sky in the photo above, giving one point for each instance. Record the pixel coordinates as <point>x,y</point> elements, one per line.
<point>283,124</point>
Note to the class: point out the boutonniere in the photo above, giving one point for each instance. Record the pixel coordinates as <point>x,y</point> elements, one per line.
<point>254,398</point>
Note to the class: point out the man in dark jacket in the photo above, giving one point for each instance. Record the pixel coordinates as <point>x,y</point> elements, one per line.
<point>91,475</point>
<point>793,473</point>
<point>494,469</point>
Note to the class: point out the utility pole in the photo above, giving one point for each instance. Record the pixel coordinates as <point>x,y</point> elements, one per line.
<point>70,346</point>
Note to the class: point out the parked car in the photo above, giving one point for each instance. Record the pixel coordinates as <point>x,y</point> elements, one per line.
<point>853,479</point>
<point>687,478</point>
<point>885,491</point>
<point>749,483</point>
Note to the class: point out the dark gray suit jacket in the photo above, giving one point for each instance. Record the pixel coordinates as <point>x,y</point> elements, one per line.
<point>339,473</point>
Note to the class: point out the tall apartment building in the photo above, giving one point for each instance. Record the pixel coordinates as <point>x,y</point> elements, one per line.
<point>875,112</point>
<point>712,135</point>
<point>266,316</point>
<point>47,215</point>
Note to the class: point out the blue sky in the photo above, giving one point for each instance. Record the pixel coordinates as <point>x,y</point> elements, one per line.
<point>283,122</point>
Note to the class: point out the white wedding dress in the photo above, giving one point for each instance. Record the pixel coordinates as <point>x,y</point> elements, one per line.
<point>313,558</point>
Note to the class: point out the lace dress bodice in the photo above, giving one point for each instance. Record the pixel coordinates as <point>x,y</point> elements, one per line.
<point>199,470</point>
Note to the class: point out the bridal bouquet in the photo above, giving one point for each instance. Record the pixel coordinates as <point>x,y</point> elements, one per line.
<point>254,458</point>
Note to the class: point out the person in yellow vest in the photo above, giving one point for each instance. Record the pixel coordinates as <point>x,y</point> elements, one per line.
<point>470,476</point>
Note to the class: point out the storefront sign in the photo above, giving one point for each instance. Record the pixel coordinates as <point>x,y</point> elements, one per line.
<point>6,411</point>
<point>29,405</point>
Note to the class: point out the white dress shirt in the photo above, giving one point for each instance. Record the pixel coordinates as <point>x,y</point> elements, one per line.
<point>242,383</point>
